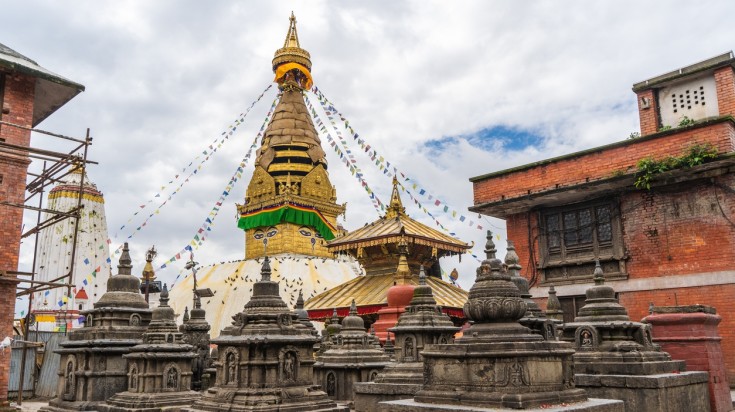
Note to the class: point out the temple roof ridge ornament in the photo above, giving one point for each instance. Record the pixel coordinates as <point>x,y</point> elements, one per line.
<point>395,207</point>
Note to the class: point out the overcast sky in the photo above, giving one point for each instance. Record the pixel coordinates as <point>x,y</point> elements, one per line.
<point>445,90</point>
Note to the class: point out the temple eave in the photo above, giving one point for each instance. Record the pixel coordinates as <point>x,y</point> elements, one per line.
<point>339,246</point>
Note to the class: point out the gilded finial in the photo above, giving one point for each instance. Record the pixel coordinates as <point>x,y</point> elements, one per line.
<point>395,207</point>
<point>291,63</point>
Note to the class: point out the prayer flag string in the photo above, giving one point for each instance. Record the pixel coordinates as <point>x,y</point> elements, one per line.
<point>200,236</point>
<point>346,160</point>
<point>205,155</point>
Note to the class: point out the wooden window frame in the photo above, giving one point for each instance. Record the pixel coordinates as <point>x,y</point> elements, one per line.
<point>563,259</point>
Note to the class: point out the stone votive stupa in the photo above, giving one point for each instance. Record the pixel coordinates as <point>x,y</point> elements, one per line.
<point>159,369</point>
<point>353,358</point>
<point>265,359</point>
<point>195,330</point>
<point>553,307</point>
<point>423,323</point>
<point>498,363</point>
<point>617,359</point>
<point>92,366</point>
<point>534,319</point>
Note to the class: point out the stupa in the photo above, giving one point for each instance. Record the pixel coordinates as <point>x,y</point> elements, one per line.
<point>391,249</point>
<point>553,307</point>
<point>422,324</point>
<point>534,319</point>
<point>352,359</point>
<point>196,333</point>
<point>265,359</point>
<point>159,369</point>
<point>617,359</point>
<point>92,367</point>
<point>290,207</point>
<point>54,309</point>
<point>498,363</point>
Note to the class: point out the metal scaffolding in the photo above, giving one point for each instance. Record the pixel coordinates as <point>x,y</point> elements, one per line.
<point>55,167</point>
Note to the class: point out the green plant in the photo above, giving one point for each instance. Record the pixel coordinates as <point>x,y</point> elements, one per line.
<point>664,128</point>
<point>685,121</point>
<point>634,135</point>
<point>648,167</point>
<point>618,173</point>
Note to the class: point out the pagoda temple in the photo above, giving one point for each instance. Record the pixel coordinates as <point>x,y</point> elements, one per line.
<point>290,209</point>
<point>392,250</point>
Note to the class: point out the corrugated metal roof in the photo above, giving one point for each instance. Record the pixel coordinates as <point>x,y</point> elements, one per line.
<point>372,290</point>
<point>233,283</point>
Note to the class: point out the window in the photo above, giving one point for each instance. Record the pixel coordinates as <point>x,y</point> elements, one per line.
<point>572,237</point>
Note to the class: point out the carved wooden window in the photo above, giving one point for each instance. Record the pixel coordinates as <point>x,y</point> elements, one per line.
<point>573,236</point>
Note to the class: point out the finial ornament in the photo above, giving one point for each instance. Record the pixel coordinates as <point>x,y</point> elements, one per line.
<point>265,270</point>
<point>353,308</point>
<point>490,246</point>
<point>291,63</point>
<point>395,207</point>
<point>125,266</point>
<point>598,275</point>
<point>163,298</point>
<point>422,276</point>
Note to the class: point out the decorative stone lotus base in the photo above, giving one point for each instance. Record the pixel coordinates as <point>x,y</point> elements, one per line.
<point>668,392</point>
<point>293,399</point>
<point>149,402</point>
<point>368,395</point>
<point>409,405</point>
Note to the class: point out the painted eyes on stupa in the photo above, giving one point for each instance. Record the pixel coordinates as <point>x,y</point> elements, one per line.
<point>305,231</point>
<point>259,234</point>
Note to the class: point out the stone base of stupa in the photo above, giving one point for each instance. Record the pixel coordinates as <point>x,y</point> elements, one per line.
<point>56,405</point>
<point>369,394</point>
<point>410,405</point>
<point>149,402</point>
<point>398,381</point>
<point>294,399</point>
<point>666,392</point>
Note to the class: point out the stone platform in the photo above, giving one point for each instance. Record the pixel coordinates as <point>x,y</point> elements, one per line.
<point>369,396</point>
<point>668,392</point>
<point>409,405</point>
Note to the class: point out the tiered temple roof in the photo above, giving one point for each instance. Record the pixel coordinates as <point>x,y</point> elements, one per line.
<point>377,246</point>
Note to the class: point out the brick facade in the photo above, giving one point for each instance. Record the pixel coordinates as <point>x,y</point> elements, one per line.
<point>678,239</point>
<point>17,108</point>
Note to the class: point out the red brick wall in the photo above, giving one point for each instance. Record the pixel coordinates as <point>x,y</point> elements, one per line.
<point>18,101</point>
<point>648,116</point>
<point>680,231</point>
<point>725,83</point>
<point>601,164</point>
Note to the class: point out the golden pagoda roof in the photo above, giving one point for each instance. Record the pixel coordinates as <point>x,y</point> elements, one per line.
<point>370,294</point>
<point>393,227</point>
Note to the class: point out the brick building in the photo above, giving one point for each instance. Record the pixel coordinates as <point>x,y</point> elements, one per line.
<point>670,244</point>
<point>28,95</point>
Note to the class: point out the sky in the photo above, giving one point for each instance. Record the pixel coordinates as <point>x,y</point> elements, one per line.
<point>443,90</point>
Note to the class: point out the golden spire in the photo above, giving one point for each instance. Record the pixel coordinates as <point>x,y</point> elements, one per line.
<point>148,273</point>
<point>291,52</point>
<point>395,208</point>
<point>403,272</point>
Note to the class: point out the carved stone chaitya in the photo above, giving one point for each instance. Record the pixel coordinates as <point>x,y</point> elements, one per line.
<point>617,359</point>
<point>159,369</point>
<point>92,365</point>
<point>352,358</point>
<point>265,359</point>
<point>534,319</point>
<point>498,363</point>
<point>195,330</point>
<point>423,323</point>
